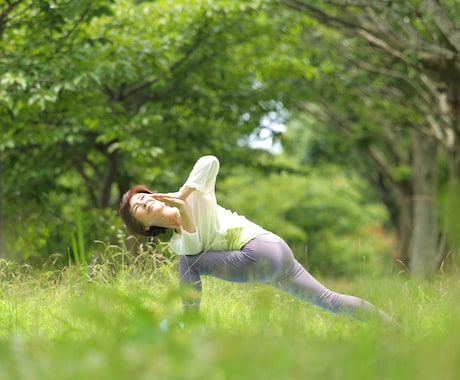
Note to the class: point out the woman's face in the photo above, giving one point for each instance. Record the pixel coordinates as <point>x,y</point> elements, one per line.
<point>146,209</point>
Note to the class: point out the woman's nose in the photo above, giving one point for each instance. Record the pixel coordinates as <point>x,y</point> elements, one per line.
<point>148,201</point>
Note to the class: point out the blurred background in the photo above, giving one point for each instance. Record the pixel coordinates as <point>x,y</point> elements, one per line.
<point>337,125</point>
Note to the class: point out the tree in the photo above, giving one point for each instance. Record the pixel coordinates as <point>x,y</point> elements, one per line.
<point>108,94</point>
<point>418,44</point>
<point>37,60</point>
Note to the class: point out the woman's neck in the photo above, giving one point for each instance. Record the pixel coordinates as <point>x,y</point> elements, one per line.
<point>170,219</point>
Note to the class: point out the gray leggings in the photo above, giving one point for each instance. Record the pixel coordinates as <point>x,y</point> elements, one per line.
<point>268,259</point>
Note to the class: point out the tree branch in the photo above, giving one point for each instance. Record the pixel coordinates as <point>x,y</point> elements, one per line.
<point>6,11</point>
<point>187,53</point>
<point>450,32</point>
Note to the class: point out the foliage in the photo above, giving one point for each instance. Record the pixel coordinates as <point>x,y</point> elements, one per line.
<point>98,95</point>
<point>112,93</point>
<point>394,71</point>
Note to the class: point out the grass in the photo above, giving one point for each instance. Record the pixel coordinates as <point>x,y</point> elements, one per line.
<point>104,324</point>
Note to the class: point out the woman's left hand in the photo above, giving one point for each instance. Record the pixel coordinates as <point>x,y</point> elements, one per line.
<point>183,193</point>
<point>171,199</point>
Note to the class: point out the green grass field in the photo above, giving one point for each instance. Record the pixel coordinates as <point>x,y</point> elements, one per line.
<point>103,322</point>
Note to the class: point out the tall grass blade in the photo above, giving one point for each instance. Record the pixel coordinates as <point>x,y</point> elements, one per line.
<point>78,241</point>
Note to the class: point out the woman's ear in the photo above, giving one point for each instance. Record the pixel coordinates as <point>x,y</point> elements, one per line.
<point>146,228</point>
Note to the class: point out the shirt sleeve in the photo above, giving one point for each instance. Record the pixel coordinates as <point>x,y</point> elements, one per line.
<point>203,175</point>
<point>186,243</point>
<point>203,205</point>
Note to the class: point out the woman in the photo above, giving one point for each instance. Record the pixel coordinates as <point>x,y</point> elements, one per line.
<point>213,241</point>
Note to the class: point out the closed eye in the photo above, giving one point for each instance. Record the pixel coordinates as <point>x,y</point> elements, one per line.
<point>141,202</point>
<point>136,207</point>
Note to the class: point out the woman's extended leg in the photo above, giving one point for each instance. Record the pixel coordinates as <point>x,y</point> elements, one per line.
<point>297,281</point>
<point>268,259</point>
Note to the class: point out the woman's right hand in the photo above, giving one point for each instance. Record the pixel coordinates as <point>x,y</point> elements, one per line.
<point>174,200</point>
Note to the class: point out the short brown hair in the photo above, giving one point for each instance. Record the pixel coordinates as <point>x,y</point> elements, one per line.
<point>132,224</point>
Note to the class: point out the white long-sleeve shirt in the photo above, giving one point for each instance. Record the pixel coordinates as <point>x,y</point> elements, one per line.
<point>217,228</point>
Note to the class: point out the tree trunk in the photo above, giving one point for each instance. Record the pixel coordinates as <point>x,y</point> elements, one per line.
<point>424,259</point>
<point>451,209</point>
<point>453,101</point>
<point>404,224</point>
<point>109,179</point>
<point>2,236</point>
